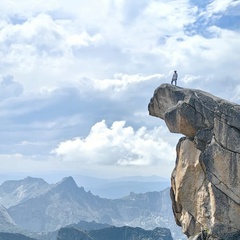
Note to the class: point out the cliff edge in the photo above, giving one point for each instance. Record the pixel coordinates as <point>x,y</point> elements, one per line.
<point>205,189</point>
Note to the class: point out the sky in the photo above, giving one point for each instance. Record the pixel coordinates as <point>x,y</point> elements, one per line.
<point>76,78</point>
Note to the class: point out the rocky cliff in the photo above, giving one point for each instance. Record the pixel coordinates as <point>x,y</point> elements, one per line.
<point>205,182</point>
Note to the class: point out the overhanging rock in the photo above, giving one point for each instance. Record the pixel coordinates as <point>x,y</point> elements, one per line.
<point>206,179</point>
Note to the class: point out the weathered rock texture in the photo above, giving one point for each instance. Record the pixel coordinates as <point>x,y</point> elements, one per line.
<point>205,188</point>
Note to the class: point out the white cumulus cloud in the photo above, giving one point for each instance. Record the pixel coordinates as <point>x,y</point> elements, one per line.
<point>117,145</point>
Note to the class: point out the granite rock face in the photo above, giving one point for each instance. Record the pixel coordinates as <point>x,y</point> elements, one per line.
<point>205,182</point>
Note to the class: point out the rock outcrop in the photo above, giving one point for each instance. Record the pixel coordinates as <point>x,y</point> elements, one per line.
<point>205,182</point>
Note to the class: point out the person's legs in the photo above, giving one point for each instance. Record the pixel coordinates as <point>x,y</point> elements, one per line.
<point>175,82</point>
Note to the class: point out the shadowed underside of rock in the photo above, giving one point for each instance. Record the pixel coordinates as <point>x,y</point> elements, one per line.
<point>206,179</point>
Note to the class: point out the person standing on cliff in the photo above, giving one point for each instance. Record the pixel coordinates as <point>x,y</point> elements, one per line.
<point>174,78</point>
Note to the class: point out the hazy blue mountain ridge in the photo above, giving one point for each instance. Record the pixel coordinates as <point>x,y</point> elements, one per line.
<point>14,236</point>
<point>64,203</point>
<point>120,187</point>
<point>87,226</point>
<point>115,233</point>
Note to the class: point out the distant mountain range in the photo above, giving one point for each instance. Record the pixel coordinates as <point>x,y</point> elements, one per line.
<point>115,233</point>
<point>94,231</point>
<point>34,205</point>
<point>120,187</point>
<point>107,188</point>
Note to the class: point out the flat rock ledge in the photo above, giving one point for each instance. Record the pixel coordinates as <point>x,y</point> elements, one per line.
<point>205,189</point>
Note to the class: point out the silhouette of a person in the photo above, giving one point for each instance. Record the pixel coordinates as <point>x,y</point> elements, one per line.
<point>174,78</point>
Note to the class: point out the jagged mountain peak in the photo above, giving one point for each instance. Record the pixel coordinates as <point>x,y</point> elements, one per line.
<point>15,191</point>
<point>68,179</point>
<point>30,179</point>
<point>67,183</point>
<point>12,185</point>
<point>68,186</point>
